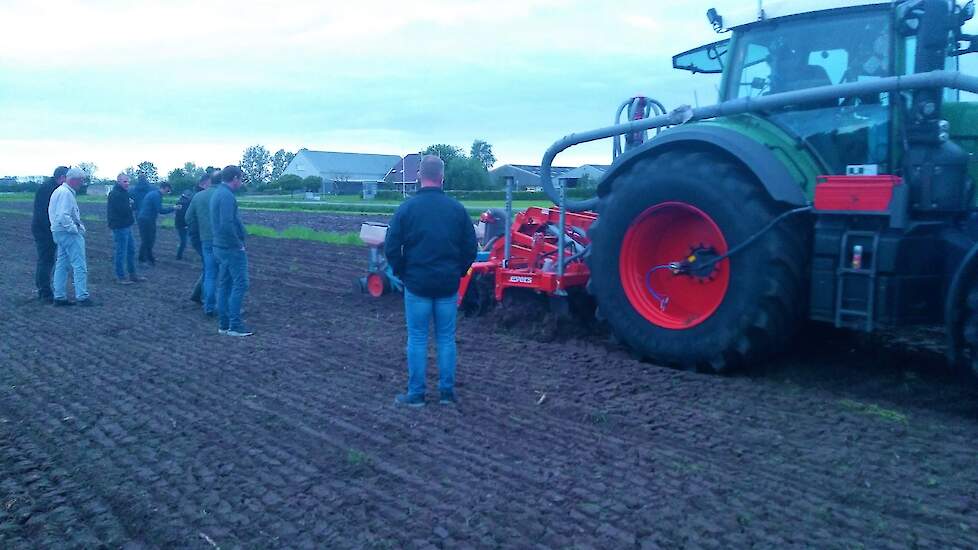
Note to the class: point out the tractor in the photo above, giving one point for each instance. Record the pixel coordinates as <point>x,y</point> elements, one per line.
<point>833,181</point>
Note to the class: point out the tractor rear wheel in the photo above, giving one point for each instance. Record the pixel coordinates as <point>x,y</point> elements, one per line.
<point>696,206</point>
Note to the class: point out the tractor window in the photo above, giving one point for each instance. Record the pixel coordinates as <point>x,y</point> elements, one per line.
<point>803,52</point>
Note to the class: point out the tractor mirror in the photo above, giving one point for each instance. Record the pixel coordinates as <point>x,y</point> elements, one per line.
<point>758,83</point>
<point>715,19</point>
<point>968,11</point>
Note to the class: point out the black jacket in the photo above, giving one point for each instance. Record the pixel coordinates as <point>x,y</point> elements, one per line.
<point>119,208</point>
<point>180,216</point>
<point>431,243</point>
<point>40,223</point>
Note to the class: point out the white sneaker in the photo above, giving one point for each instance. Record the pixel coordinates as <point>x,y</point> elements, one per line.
<point>239,333</point>
<point>222,331</point>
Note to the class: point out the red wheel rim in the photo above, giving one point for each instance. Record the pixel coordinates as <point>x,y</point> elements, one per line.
<point>375,285</point>
<point>662,234</point>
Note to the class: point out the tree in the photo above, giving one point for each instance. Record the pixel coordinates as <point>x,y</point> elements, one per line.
<point>256,163</point>
<point>148,169</point>
<point>448,153</point>
<point>280,161</point>
<point>466,173</point>
<point>482,151</point>
<point>180,180</point>
<point>192,171</point>
<point>313,184</point>
<point>89,168</point>
<point>291,183</point>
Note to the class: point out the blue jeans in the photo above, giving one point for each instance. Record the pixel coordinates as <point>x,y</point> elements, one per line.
<point>182,234</point>
<point>125,252</point>
<point>210,276</point>
<point>71,256</point>
<point>419,312</point>
<point>232,283</point>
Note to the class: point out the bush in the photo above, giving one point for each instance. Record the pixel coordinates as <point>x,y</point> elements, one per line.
<point>20,188</point>
<point>290,183</point>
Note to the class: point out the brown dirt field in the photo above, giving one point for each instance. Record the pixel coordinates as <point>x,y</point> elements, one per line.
<point>134,424</point>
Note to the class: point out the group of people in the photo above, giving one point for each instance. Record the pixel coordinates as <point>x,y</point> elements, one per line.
<point>208,216</point>
<point>430,245</point>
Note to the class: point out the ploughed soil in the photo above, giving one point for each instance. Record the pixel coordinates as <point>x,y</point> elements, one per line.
<point>134,424</point>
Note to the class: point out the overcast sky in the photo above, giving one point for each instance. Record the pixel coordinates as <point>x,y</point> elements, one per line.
<point>117,82</point>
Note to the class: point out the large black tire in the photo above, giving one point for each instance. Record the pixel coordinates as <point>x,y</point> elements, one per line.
<point>765,297</point>
<point>968,355</point>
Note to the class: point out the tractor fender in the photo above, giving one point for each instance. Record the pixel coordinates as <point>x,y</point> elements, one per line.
<point>754,156</point>
<point>954,306</point>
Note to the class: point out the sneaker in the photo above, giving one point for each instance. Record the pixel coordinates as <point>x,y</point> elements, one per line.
<point>240,332</point>
<point>138,278</point>
<point>87,302</point>
<point>45,299</point>
<point>61,302</point>
<point>125,281</point>
<point>447,397</point>
<point>409,401</point>
<point>222,331</point>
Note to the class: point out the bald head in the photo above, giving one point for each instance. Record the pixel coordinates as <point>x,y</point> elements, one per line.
<point>432,171</point>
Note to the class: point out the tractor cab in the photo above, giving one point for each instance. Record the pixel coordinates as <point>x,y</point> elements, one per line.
<point>784,50</point>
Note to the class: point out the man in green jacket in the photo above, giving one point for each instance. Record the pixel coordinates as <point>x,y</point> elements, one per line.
<point>198,219</point>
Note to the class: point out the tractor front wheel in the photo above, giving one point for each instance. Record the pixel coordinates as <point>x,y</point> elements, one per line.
<point>714,313</point>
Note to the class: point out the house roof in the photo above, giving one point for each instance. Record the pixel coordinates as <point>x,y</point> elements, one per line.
<point>596,170</point>
<point>535,170</point>
<point>350,166</point>
<point>406,169</point>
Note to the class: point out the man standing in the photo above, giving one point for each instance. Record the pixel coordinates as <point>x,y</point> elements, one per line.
<point>430,245</point>
<point>69,234</point>
<point>199,226</point>
<point>229,250</point>
<point>180,219</point>
<point>41,229</point>
<point>120,219</point>
<point>149,210</point>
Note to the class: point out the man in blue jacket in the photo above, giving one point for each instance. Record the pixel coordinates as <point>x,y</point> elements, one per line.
<point>430,245</point>
<point>149,209</point>
<point>229,251</point>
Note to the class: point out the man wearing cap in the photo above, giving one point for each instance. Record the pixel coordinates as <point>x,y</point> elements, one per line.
<point>201,236</point>
<point>69,234</point>
<point>120,220</point>
<point>41,229</point>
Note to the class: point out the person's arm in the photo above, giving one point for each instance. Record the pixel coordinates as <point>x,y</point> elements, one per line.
<point>226,226</point>
<point>394,243</point>
<point>470,245</point>
<point>159,205</point>
<point>190,218</point>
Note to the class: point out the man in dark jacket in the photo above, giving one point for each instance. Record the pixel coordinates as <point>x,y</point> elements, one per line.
<point>41,229</point>
<point>150,209</point>
<point>120,219</point>
<point>430,245</point>
<point>180,219</point>
<point>229,251</point>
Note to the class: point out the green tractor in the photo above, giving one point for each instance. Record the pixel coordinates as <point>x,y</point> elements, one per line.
<point>833,181</point>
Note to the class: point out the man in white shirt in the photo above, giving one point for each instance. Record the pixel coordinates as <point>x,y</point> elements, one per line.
<point>69,234</point>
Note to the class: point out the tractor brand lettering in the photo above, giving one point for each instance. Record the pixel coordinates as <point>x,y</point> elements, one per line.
<point>519,279</point>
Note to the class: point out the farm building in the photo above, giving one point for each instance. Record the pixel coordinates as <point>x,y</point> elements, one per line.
<point>593,172</point>
<point>342,173</point>
<point>524,176</point>
<point>405,172</point>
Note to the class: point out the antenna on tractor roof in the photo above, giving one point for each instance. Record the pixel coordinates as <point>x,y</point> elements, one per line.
<point>760,10</point>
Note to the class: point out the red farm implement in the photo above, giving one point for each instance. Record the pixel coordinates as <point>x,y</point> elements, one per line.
<point>527,256</point>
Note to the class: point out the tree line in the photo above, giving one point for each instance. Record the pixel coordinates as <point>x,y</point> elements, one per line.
<point>265,171</point>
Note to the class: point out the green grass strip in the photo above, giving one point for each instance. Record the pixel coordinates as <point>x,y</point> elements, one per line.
<point>296,232</point>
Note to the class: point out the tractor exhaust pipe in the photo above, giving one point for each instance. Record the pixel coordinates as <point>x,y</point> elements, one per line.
<point>934,79</point>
